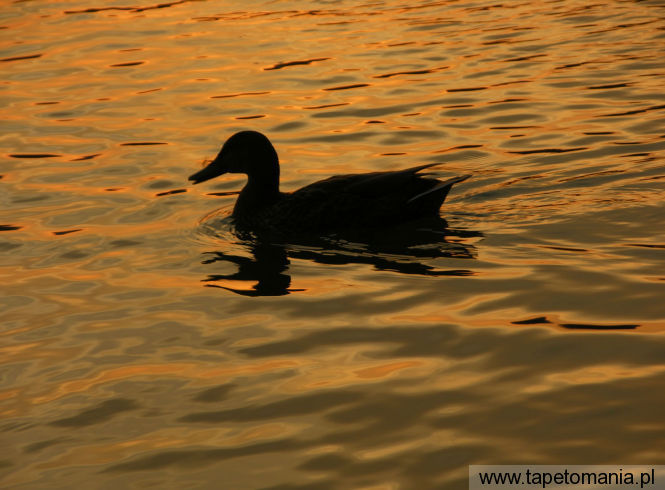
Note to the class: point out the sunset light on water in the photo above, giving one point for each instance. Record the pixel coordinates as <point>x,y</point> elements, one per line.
<point>147,342</point>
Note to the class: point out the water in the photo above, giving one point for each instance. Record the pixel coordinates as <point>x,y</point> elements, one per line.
<point>146,345</point>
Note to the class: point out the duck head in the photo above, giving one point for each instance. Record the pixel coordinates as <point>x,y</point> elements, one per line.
<point>246,152</point>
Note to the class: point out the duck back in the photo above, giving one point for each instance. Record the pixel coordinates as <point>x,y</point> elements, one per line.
<point>376,199</point>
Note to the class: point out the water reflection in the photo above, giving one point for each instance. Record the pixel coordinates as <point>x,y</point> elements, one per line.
<point>404,249</point>
<point>266,267</point>
<point>371,369</point>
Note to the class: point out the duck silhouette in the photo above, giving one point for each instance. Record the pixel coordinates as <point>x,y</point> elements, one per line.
<point>375,199</point>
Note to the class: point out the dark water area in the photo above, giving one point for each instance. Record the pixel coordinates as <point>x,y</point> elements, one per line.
<point>146,344</point>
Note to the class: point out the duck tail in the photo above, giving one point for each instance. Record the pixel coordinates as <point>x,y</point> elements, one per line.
<point>438,192</point>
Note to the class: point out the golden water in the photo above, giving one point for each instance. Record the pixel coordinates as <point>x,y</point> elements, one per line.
<point>145,345</point>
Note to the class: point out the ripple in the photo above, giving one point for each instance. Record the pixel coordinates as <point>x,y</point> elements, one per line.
<point>20,58</point>
<point>589,326</point>
<point>635,111</point>
<point>285,64</point>
<point>129,63</point>
<point>97,415</point>
<point>609,86</point>
<point>525,58</point>
<point>241,94</point>
<point>548,150</point>
<point>34,155</point>
<point>532,321</point>
<point>92,10</point>
<point>347,87</point>
<point>86,157</point>
<point>411,72</point>
<point>466,89</point>
<point>171,192</point>
<point>325,106</point>
<point>148,91</point>
<point>66,232</point>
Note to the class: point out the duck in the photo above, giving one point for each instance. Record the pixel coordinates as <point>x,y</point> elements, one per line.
<point>351,201</point>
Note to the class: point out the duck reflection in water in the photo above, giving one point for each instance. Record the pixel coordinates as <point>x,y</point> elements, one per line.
<point>387,219</point>
<point>266,266</point>
<point>404,249</point>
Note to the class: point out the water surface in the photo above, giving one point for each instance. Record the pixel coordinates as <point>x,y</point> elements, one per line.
<point>147,345</point>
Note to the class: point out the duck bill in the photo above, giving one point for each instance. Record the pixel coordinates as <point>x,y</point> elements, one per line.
<point>215,169</point>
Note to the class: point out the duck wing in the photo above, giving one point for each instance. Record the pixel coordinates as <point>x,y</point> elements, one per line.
<point>361,200</point>
<point>372,184</point>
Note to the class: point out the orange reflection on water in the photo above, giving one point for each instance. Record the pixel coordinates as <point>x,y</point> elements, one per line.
<point>600,373</point>
<point>385,370</point>
<point>176,437</point>
<point>554,109</point>
<point>184,370</point>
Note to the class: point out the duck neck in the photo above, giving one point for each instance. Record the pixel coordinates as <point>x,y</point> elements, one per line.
<point>261,191</point>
